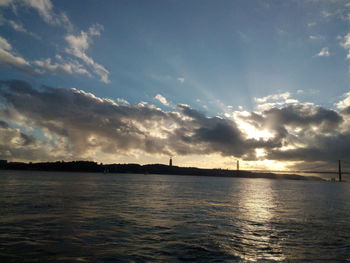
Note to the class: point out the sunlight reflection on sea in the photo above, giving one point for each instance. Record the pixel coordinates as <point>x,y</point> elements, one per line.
<point>76,217</point>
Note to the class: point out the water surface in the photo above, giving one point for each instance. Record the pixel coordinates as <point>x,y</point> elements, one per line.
<point>86,217</point>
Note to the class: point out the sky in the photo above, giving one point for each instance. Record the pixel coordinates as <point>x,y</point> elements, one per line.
<point>265,82</point>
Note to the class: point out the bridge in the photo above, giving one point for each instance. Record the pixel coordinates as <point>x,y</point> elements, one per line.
<point>337,170</point>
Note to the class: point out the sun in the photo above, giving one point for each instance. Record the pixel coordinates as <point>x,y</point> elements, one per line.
<point>251,132</point>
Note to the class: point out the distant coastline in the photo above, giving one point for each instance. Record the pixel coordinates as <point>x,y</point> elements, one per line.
<point>88,166</point>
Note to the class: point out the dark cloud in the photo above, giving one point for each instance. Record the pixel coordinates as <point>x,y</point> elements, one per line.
<point>322,148</point>
<point>3,124</point>
<point>304,116</point>
<point>214,134</point>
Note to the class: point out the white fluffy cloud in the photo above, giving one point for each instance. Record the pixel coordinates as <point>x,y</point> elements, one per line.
<point>274,100</point>
<point>162,99</point>
<point>181,79</point>
<point>9,58</point>
<point>20,28</point>
<point>324,52</point>
<point>70,67</point>
<point>78,46</point>
<point>346,44</point>
<point>44,8</point>
<point>278,96</point>
<point>316,37</point>
<point>344,103</point>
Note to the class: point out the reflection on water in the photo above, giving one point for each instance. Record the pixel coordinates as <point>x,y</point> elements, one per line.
<point>65,217</point>
<point>255,237</point>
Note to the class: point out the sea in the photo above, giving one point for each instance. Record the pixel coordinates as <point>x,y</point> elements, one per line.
<point>92,217</point>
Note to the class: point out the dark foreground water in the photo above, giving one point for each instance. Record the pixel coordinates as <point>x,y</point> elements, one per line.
<point>76,217</point>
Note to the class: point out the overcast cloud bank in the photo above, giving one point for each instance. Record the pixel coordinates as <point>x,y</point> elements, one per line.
<point>55,123</point>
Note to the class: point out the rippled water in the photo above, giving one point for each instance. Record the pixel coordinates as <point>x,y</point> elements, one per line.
<point>76,217</point>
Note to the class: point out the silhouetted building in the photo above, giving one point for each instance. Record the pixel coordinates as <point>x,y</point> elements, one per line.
<point>171,162</point>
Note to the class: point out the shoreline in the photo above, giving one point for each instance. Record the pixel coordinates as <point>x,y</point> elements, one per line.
<point>87,166</point>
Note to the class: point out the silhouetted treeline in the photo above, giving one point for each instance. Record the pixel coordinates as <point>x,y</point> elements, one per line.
<point>75,166</point>
<point>87,166</point>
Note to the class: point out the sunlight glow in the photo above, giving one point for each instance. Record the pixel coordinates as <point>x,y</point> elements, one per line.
<point>260,152</point>
<point>252,132</point>
<point>266,165</point>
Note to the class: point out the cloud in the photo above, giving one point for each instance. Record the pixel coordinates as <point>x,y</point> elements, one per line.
<point>324,52</point>
<point>162,99</point>
<point>46,11</point>
<point>44,8</point>
<point>181,79</point>
<point>326,13</point>
<point>346,44</point>
<point>16,26</point>
<point>20,28</point>
<point>78,124</point>
<point>9,58</point>
<point>307,133</point>
<point>4,44</point>
<point>344,103</point>
<point>274,101</point>
<point>69,67</point>
<point>88,124</point>
<point>304,115</point>
<point>5,2</point>
<point>299,129</point>
<point>328,149</point>
<point>79,44</point>
<point>21,146</point>
<point>122,101</point>
<point>284,96</point>
<point>316,37</point>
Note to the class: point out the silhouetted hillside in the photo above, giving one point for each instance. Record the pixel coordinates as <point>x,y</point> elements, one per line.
<point>87,166</point>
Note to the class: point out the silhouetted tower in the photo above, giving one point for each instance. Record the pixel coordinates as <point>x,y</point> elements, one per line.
<point>171,162</point>
<point>339,169</point>
<point>237,165</point>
